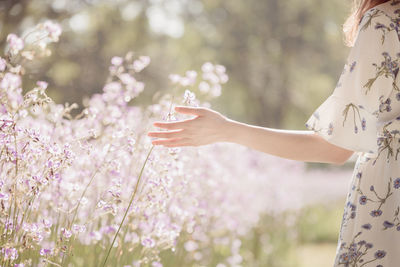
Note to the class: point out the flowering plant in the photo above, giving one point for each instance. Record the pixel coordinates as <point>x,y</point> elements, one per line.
<point>72,185</point>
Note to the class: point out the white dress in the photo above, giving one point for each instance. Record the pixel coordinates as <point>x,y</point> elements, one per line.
<point>363,114</point>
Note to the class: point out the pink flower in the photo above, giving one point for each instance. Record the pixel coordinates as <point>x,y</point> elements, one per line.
<point>10,81</point>
<point>66,233</point>
<point>54,29</point>
<point>127,79</point>
<point>78,228</point>
<point>16,44</point>
<point>3,64</point>
<point>141,63</point>
<point>3,197</point>
<point>42,85</point>
<point>148,242</point>
<point>47,223</point>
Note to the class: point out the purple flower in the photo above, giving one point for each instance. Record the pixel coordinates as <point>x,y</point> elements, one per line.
<point>367,226</point>
<point>376,213</point>
<point>371,188</point>
<point>363,200</point>
<point>379,26</point>
<point>396,183</point>
<point>45,252</point>
<point>363,124</point>
<point>78,228</point>
<point>47,223</point>
<point>344,258</point>
<point>9,253</point>
<point>369,245</point>
<point>380,254</point>
<point>359,175</point>
<point>353,207</point>
<point>330,129</point>
<point>352,66</point>
<point>66,233</point>
<point>362,242</point>
<point>4,197</point>
<point>109,229</point>
<point>388,224</point>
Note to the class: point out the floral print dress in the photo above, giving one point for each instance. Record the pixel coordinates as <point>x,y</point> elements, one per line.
<point>363,114</point>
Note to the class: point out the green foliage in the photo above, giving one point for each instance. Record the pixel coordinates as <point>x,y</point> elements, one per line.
<point>283,57</point>
<point>320,223</point>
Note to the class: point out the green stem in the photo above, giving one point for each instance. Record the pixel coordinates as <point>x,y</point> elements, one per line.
<point>129,206</point>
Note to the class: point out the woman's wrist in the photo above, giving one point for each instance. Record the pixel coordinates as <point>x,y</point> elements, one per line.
<point>229,131</point>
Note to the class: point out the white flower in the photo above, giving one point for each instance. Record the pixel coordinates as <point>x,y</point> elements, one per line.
<point>174,78</point>
<point>141,63</point>
<point>204,87</point>
<point>117,61</point>
<point>189,97</point>
<point>207,67</point>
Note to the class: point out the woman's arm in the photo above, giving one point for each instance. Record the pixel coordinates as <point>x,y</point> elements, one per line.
<point>209,126</point>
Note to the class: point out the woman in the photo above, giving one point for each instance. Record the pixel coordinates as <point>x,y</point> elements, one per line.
<point>361,115</point>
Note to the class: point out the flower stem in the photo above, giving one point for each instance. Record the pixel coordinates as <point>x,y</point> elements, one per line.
<point>129,206</point>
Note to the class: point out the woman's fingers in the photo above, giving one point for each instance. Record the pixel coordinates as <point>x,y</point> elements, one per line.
<point>199,111</point>
<point>172,125</point>
<point>178,136</point>
<point>171,142</point>
<point>169,134</point>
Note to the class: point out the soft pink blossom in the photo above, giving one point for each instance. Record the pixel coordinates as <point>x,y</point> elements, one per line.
<point>15,43</point>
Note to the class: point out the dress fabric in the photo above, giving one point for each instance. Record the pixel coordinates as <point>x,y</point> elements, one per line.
<point>363,114</point>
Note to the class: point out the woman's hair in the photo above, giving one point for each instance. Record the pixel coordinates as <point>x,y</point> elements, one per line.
<point>359,7</point>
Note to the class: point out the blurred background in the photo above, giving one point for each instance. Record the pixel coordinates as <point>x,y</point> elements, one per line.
<point>283,59</point>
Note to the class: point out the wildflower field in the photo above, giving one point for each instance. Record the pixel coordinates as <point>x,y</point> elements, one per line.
<point>83,186</point>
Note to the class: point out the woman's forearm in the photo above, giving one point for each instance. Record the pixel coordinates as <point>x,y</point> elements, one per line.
<point>304,146</point>
<point>209,126</point>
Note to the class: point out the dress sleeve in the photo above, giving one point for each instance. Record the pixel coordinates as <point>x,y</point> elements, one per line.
<point>349,116</point>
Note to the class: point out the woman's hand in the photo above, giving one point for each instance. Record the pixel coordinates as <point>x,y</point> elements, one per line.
<point>207,127</point>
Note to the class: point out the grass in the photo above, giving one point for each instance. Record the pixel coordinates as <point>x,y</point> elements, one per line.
<point>318,228</point>
<point>316,255</point>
